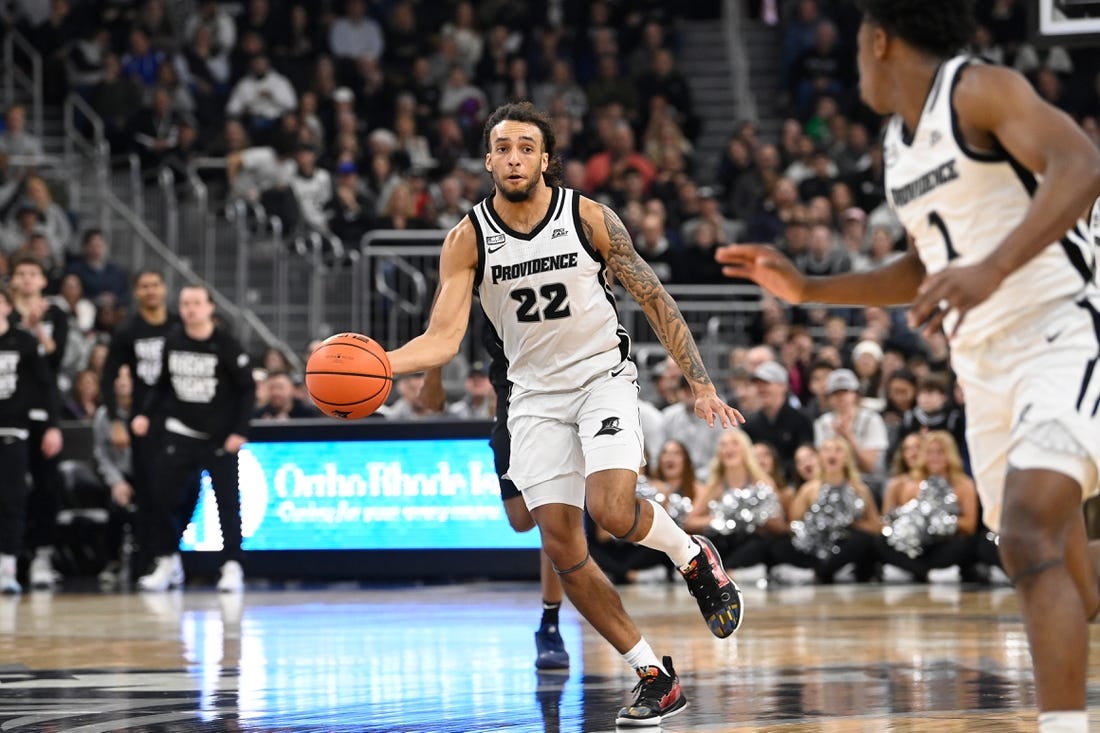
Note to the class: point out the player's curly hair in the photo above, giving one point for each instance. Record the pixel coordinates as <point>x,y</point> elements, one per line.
<point>940,27</point>
<point>527,112</point>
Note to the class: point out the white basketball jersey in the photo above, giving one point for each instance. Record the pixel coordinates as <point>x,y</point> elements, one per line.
<point>547,297</point>
<point>959,204</point>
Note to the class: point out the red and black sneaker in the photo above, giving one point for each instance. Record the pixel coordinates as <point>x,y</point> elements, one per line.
<point>718,596</point>
<point>659,697</point>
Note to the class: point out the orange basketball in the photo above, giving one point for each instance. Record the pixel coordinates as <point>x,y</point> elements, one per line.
<point>348,376</point>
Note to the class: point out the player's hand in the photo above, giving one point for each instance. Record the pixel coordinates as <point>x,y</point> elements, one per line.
<point>234,442</point>
<point>140,425</point>
<point>52,442</point>
<point>710,407</point>
<point>122,493</point>
<point>764,265</point>
<point>120,436</point>
<point>953,289</point>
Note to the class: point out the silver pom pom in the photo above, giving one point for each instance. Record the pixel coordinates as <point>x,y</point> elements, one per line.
<point>932,516</point>
<point>678,508</point>
<point>826,523</point>
<point>744,509</point>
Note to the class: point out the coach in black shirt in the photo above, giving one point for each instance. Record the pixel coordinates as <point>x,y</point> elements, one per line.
<point>777,422</point>
<point>206,396</point>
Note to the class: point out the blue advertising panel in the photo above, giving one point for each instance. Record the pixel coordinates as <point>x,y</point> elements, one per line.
<point>355,492</point>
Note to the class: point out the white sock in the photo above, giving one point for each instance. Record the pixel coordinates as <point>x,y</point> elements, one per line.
<point>665,535</point>
<point>642,655</point>
<point>1064,721</point>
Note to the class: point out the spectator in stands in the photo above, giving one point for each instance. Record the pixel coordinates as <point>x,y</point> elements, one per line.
<point>824,256</point>
<point>822,69</point>
<point>83,399</point>
<point>400,210</point>
<point>409,405</point>
<point>479,400</point>
<point>561,86</point>
<point>53,220</point>
<point>405,42</point>
<point>261,98</point>
<point>729,230</point>
<point>679,423</point>
<point>181,100</point>
<point>468,40</point>
<point>653,245</point>
<point>97,273</point>
<point>859,426</point>
<point>822,175</point>
<point>258,20</point>
<point>142,62</point>
<point>154,130</point>
<point>664,80</point>
<point>356,34</point>
<point>351,209</point>
<point>411,144</point>
<point>281,403</point>
<point>15,141</point>
<point>466,102</point>
<point>263,174</point>
<point>867,365</point>
<point>312,187</point>
<point>221,31</point>
<point>777,423</point>
<point>450,206</point>
<point>694,262</point>
<point>934,411</point>
<point>901,397</point>
<point>114,99</point>
<point>770,464</point>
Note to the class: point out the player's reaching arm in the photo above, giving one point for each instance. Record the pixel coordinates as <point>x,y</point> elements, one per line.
<point>998,107</point>
<point>607,234</point>
<point>451,313</point>
<point>895,283</point>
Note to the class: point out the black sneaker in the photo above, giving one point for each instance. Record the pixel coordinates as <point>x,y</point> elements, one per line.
<point>718,596</point>
<point>659,697</point>
<point>551,649</point>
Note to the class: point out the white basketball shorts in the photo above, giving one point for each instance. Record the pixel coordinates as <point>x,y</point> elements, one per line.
<point>1033,401</point>
<point>560,438</point>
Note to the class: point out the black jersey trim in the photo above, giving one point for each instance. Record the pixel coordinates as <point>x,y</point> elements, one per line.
<point>1090,368</point>
<point>998,155</point>
<point>582,233</point>
<point>494,217</point>
<point>1073,251</point>
<point>561,204</point>
<point>480,272</point>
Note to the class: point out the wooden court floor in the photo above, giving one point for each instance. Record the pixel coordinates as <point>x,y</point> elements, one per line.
<point>460,658</point>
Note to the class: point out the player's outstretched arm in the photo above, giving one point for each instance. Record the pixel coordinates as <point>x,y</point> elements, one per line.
<point>605,231</point>
<point>895,283</point>
<point>451,313</point>
<point>998,107</point>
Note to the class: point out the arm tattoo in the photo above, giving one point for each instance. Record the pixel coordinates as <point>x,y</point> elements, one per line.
<point>639,280</point>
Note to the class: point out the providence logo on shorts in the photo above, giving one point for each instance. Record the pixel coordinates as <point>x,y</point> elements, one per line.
<point>610,427</point>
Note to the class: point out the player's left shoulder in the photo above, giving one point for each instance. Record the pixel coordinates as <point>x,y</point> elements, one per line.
<point>983,91</point>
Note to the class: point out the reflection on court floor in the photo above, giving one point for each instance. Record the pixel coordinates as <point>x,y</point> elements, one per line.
<point>460,658</point>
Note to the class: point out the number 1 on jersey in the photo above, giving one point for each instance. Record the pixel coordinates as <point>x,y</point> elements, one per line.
<point>937,221</point>
<point>528,311</point>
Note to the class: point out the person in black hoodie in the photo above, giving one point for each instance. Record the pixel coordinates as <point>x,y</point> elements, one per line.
<point>206,395</point>
<point>139,344</point>
<point>26,383</point>
<point>49,325</point>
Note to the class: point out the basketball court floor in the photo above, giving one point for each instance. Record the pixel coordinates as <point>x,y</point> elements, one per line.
<point>460,658</point>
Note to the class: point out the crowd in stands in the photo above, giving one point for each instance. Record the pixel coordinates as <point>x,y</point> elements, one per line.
<point>343,117</point>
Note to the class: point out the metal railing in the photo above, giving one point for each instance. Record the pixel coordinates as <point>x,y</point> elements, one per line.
<point>15,75</point>
<point>733,14</point>
<point>79,147</point>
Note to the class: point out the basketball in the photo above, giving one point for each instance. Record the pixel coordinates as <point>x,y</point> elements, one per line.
<point>348,376</point>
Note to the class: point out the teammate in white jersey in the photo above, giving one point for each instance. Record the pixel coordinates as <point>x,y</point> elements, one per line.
<point>537,255</point>
<point>990,181</point>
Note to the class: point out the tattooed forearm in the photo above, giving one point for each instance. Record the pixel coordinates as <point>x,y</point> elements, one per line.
<point>639,280</point>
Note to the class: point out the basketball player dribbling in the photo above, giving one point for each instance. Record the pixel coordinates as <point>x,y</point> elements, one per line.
<point>537,254</point>
<point>999,259</point>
